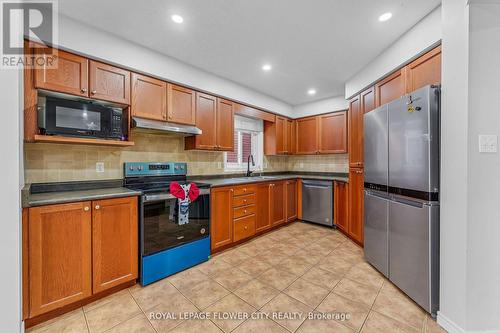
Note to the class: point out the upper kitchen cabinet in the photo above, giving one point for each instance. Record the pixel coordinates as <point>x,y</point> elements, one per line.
<point>323,134</point>
<point>290,136</point>
<point>307,137</point>
<point>279,136</point>
<point>224,125</point>
<point>332,135</point>
<point>109,83</point>
<point>391,87</point>
<point>114,242</point>
<point>60,255</point>
<point>69,75</point>
<point>424,70</point>
<point>181,106</point>
<point>149,97</point>
<point>215,118</point>
<point>358,106</point>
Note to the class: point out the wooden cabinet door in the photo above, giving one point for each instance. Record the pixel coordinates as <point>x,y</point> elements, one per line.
<point>181,106</point>
<point>291,200</point>
<point>290,137</point>
<point>263,206</point>
<point>221,222</point>
<point>307,135</point>
<point>341,206</point>
<point>60,270</point>
<point>391,88</point>
<point>69,75</point>
<point>114,242</point>
<point>206,118</point>
<point>333,133</point>
<point>356,198</point>
<point>424,70</point>
<point>281,135</point>
<point>109,83</point>
<point>367,99</point>
<point>149,97</point>
<point>278,206</point>
<point>355,133</point>
<point>225,125</point>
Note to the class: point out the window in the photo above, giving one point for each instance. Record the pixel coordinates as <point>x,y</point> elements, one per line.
<point>248,139</point>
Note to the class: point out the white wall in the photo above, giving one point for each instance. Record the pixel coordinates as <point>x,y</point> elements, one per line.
<point>454,164</point>
<point>10,235</point>
<point>483,215</point>
<point>86,40</point>
<point>424,35</point>
<point>337,103</point>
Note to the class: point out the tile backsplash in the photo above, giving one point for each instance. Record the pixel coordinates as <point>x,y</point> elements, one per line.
<point>46,162</point>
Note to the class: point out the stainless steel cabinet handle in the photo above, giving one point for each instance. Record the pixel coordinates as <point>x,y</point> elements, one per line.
<point>86,209</point>
<point>93,92</point>
<point>246,227</point>
<point>97,207</point>
<point>84,90</point>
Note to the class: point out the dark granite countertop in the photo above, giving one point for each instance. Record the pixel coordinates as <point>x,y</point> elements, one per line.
<point>56,193</point>
<point>216,181</point>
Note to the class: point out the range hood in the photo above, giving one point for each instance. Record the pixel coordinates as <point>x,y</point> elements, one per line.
<point>163,126</point>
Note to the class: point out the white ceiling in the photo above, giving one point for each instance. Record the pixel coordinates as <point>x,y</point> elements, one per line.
<point>310,43</point>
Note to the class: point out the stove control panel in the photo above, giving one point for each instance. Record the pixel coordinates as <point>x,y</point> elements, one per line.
<point>154,169</point>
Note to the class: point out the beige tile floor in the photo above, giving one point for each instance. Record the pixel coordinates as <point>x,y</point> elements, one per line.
<point>300,268</point>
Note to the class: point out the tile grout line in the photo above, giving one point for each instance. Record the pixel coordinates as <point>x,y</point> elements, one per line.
<point>149,322</point>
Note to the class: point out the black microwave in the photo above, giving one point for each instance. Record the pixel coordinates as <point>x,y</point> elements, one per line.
<point>57,116</point>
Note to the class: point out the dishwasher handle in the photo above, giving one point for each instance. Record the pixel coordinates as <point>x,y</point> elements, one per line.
<point>317,186</point>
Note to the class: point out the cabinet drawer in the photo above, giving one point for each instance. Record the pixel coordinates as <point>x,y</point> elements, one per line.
<point>244,211</point>
<point>244,189</point>
<point>244,200</point>
<point>244,227</point>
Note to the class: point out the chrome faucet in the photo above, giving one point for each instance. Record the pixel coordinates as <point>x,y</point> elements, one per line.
<point>249,173</point>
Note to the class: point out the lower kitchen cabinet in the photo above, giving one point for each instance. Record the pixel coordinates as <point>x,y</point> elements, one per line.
<point>262,216</point>
<point>241,212</point>
<point>60,255</point>
<point>76,250</point>
<point>278,205</point>
<point>221,221</point>
<point>341,205</point>
<point>356,212</point>
<point>291,200</point>
<point>114,242</point>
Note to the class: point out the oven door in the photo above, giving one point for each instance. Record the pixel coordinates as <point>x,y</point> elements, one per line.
<point>67,117</point>
<point>160,227</point>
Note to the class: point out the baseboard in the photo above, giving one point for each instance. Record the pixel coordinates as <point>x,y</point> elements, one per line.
<point>451,327</point>
<point>447,324</point>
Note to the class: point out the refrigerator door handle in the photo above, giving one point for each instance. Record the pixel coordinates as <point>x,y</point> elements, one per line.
<point>408,202</point>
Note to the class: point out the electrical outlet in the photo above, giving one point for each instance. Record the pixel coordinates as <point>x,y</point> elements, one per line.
<point>219,165</point>
<point>488,143</point>
<point>99,167</point>
<point>301,165</point>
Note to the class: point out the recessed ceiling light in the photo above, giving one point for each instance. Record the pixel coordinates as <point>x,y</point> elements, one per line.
<point>177,18</point>
<point>311,92</point>
<point>384,17</point>
<point>267,67</point>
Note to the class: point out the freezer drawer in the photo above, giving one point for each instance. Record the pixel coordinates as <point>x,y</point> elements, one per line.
<point>414,141</point>
<point>414,250</point>
<point>317,201</point>
<point>376,231</point>
<point>376,146</point>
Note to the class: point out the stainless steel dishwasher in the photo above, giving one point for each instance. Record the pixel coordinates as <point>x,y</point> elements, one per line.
<point>317,201</point>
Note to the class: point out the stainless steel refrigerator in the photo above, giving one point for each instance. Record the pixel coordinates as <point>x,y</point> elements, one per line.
<point>402,193</point>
